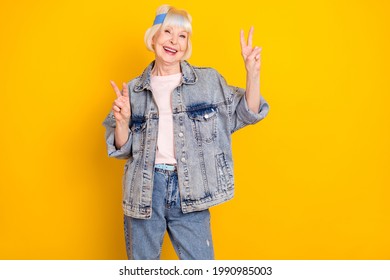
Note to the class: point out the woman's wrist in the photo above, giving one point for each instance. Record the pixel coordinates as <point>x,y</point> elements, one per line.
<point>253,91</point>
<point>253,75</point>
<point>253,82</point>
<point>122,124</point>
<point>121,135</point>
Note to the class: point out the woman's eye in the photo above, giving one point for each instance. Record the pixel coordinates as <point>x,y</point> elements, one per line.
<point>167,31</point>
<point>183,36</point>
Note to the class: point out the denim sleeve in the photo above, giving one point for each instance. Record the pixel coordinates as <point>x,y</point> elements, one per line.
<point>125,151</point>
<point>240,114</point>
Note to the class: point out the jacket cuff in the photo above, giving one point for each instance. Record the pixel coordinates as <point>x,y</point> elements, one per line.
<point>125,151</point>
<point>247,115</point>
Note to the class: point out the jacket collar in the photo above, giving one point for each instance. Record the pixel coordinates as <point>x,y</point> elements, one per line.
<point>188,76</point>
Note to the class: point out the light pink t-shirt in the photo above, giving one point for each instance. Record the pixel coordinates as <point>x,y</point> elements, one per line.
<point>162,87</point>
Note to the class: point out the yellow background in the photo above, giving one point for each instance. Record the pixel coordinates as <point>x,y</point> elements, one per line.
<point>312,179</point>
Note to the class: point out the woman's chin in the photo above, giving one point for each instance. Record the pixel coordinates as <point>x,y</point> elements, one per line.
<point>169,59</point>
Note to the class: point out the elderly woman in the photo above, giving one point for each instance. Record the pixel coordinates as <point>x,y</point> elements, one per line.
<point>173,124</point>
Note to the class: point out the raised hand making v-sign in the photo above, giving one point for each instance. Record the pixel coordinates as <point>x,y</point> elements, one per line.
<point>252,58</point>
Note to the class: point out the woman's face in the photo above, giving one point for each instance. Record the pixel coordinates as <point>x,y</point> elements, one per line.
<point>170,44</point>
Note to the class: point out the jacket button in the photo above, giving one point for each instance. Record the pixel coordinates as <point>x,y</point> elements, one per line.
<point>185,183</point>
<point>181,134</point>
<point>183,159</point>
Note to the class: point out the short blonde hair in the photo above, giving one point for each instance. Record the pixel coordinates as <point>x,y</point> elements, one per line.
<point>174,17</point>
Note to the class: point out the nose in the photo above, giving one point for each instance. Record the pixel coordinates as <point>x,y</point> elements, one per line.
<point>174,39</point>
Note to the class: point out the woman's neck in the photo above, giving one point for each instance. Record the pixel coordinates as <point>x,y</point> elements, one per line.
<point>165,69</point>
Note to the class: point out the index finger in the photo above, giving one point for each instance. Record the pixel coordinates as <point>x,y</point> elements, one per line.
<point>116,89</point>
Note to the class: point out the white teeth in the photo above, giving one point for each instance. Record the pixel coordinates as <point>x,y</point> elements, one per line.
<point>171,50</point>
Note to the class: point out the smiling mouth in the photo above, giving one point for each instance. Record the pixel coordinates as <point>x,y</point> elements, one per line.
<point>169,50</point>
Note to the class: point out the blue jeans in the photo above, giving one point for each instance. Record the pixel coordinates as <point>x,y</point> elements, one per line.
<point>190,233</point>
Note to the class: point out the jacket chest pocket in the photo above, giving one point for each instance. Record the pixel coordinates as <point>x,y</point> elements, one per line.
<point>138,129</point>
<point>204,123</point>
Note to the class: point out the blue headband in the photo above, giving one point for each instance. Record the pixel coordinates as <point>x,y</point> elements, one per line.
<point>159,19</point>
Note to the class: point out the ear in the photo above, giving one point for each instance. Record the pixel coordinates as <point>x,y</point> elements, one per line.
<point>154,38</point>
<point>152,44</point>
<point>153,41</point>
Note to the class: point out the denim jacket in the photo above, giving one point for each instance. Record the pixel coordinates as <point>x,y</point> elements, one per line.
<point>206,111</point>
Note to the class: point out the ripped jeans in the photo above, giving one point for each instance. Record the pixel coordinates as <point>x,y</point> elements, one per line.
<point>190,233</point>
